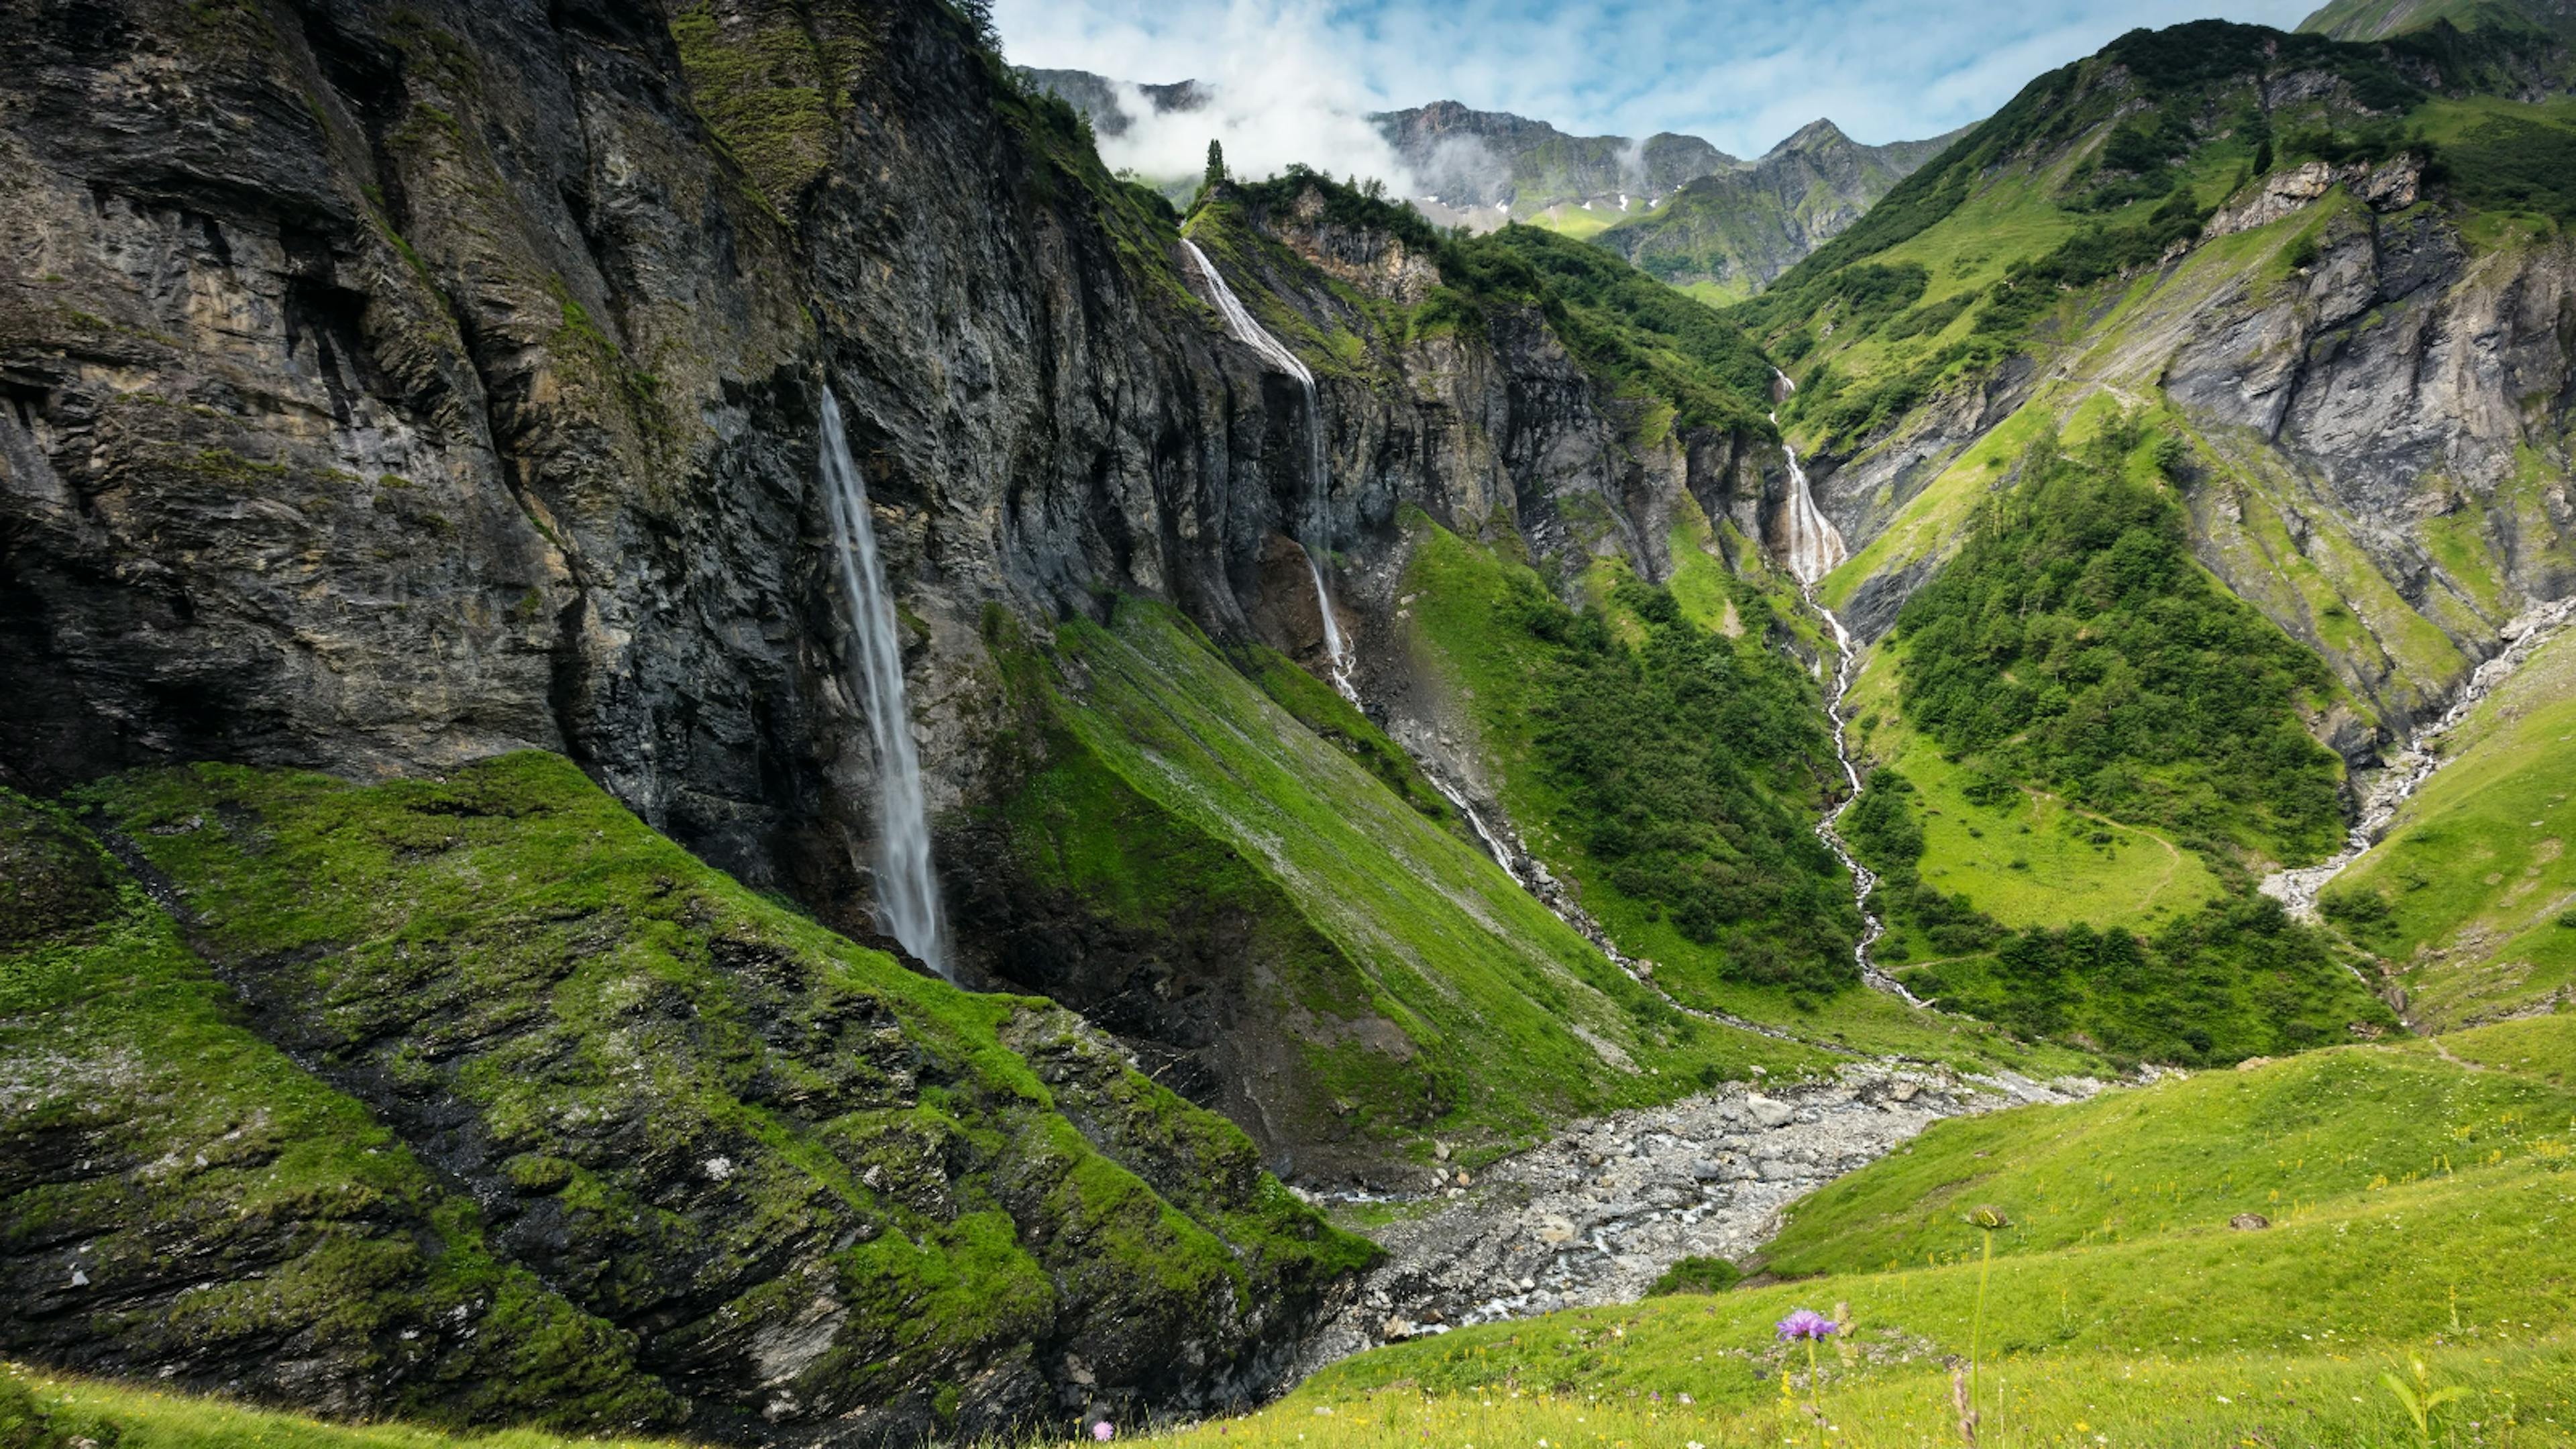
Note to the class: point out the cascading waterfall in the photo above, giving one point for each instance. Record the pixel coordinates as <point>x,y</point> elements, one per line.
<point>1813,548</point>
<point>907,886</point>
<point>1315,535</point>
<point>2420,759</point>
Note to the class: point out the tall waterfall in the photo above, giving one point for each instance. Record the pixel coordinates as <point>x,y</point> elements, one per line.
<point>907,886</point>
<point>1315,534</point>
<point>1813,546</point>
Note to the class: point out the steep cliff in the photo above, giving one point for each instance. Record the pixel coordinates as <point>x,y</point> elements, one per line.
<point>394,387</point>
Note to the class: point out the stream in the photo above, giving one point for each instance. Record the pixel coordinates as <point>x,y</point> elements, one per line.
<point>1814,548</point>
<point>2420,760</point>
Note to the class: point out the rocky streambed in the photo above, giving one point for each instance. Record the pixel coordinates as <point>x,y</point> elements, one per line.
<point>1596,1215</point>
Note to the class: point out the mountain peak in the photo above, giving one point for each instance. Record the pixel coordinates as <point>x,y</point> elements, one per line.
<point>1817,133</point>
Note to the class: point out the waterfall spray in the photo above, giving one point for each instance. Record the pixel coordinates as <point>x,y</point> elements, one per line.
<point>1315,533</point>
<point>906,885</point>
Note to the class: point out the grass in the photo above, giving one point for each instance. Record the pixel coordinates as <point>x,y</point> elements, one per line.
<point>2308,1134</point>
<point>1573,220</point>
<point>1459,590</point>
<point>2416,1198</point>
<point>55,1411</point>
<point>2415,1206</point>
<point>2030,859</point>
<point>2466,893</point>
<point>1425,992</point>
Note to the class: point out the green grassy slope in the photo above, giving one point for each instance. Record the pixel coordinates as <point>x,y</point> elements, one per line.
<point>646,1092</point>
<point>2470,895</point>
<point>2374,19</point>
<point>39,1410</point>
<point>2048,232</point>
<point>2415,1205</point>
<point>1473,614</point>
<point>1423,990</point>
<point>2081,744</point>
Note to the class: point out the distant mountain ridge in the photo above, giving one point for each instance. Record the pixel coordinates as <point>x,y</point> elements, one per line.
<point>1674,205</point>
<point>1481,168</point>
<point>2379,19</point>
<point>1735,231</point>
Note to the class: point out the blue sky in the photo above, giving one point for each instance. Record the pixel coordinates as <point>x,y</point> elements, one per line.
<point>1743,73</point>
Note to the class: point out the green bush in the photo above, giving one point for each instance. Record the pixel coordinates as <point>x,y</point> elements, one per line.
<point>1697,1275</point>
<point>1685,762</point>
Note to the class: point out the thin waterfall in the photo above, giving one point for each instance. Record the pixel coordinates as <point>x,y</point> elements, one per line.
<point>1315,533</point>
<point>1814,548</point>
<point>1811,543</point>
<point>907,887</point>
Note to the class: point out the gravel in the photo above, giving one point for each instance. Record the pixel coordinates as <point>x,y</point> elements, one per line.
<point>1598,1214</point>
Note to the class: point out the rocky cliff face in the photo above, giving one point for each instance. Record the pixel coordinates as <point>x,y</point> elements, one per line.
<point>2385,407</point>
<point>389,386</point>
<point>1472,162</point>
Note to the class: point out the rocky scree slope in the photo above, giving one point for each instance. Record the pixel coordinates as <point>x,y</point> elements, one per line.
<point>475,1100</point>
<point>1599,1215</point>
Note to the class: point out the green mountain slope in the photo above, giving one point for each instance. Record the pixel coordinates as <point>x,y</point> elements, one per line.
<point>2240,268</point>
<point>1176,811</point>
<point>2469,897</point>
<point>1726,235</point>
<point>2379,19</point>
<point>476,1099</point>
<point>2209,255</point>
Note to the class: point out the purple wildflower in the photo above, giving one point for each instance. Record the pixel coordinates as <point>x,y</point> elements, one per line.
<point>1807,1323</point>
<point>1103,1432</point>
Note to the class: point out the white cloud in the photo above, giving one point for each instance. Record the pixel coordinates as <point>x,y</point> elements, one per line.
<point>1298,74</point>
<point>1279,89</point>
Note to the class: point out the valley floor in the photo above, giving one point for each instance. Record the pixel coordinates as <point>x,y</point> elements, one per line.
<point>2361,1246</point>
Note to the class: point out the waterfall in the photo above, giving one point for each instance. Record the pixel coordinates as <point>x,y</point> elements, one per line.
<point>1811,544</point>
<point>1315,535</point>
<point>907,887</point>
<point>1814,548</point>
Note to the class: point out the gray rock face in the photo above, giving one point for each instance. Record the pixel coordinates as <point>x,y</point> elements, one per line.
<point>415,383</point>
<point>2393,387</point>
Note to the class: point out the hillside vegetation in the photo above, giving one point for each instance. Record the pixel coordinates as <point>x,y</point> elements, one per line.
<point>2469,897</point>
<point>475,1099</point>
